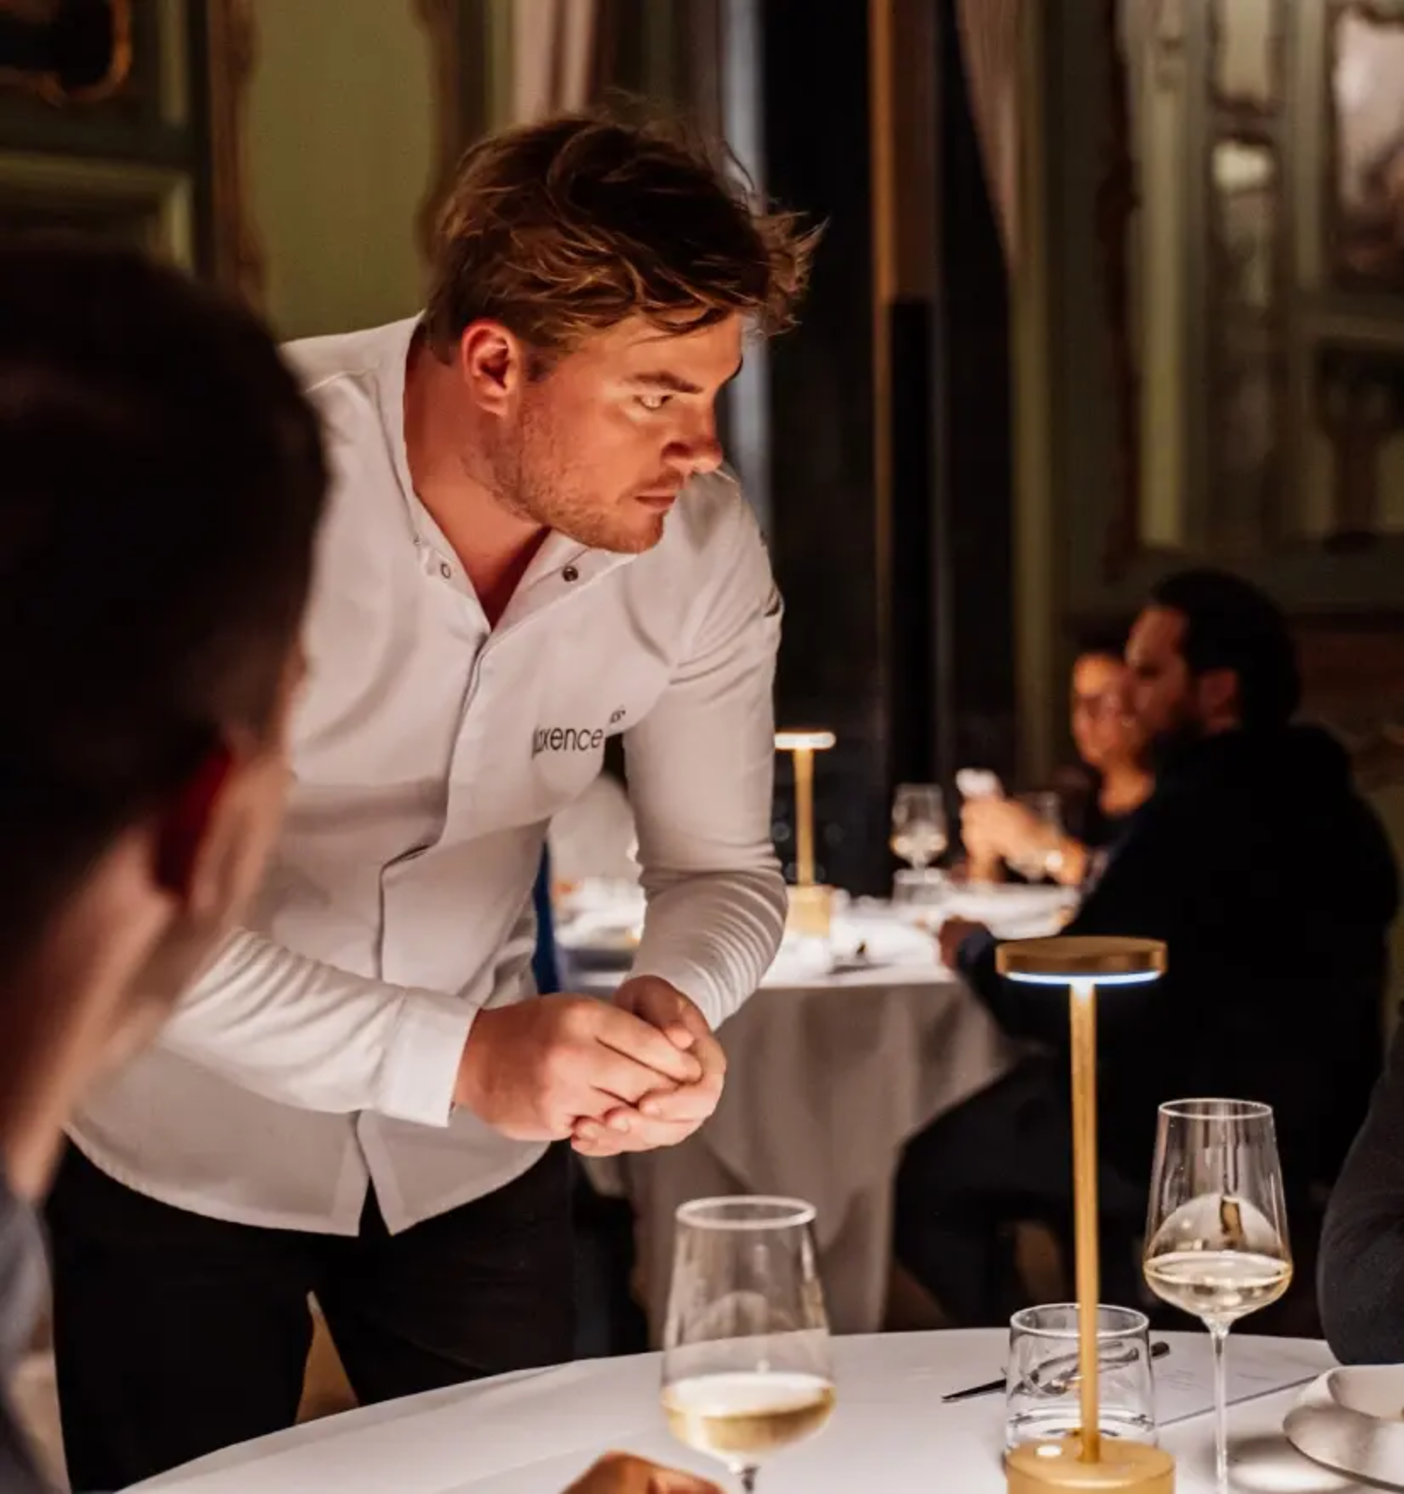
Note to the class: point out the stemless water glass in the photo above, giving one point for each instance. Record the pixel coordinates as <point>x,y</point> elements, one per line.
<point>1216,1235</point>
<point>746,1364</point>
<point>1043,1383</point>
<point>919,836</point>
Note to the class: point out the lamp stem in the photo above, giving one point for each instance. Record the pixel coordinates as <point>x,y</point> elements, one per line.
<point>804,815</point>
<point>1084,1119</point>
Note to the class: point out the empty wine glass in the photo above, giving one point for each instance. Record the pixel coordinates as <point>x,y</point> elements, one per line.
<point>919,833</point>
<point>1216,1234</point>
<point>746,1365</point>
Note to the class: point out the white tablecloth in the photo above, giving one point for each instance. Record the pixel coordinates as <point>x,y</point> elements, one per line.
<point>535,1433</point>
<point>825,1085</point>
<point>829,1076</point>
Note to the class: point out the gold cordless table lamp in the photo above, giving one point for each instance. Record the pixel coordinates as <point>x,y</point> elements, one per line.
<point>1086,1461</point>
<point>810,904</point>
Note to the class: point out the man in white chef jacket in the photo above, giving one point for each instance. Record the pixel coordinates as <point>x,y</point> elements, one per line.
<point>531,547</point>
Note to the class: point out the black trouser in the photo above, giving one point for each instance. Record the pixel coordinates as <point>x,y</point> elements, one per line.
<point>1002,1157</point>
<point>176,1335</point>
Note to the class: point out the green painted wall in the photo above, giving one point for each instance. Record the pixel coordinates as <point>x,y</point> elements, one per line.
<point>341,140</point>
<point>340,150</point>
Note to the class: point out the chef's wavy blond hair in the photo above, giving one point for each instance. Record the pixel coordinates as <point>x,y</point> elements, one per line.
<point>562,229</point>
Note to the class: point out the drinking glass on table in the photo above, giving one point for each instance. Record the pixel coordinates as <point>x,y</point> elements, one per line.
<point>1043,1385</point>
<point>1216,1234</point>
<point>746,1363</point>
<point>919,833</point>
<point>1047,809</point>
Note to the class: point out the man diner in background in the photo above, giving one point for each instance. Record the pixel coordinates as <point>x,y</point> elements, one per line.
<point>1274,886</point>
<point>531,546</point>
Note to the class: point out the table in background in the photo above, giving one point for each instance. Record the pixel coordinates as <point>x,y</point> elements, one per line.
<point>534,1433</point>
<point>829,1075</point>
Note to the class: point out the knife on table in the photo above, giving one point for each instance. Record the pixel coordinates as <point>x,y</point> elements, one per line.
<point>992,1387</point>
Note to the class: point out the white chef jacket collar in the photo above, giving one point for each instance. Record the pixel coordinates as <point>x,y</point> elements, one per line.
<point>559,568</point>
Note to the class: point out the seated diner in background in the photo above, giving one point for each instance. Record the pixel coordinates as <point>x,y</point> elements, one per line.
<point>1273,884</point>
<point>1099,800</point>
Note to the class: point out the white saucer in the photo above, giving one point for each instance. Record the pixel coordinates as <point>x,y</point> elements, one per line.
<point>1352,1420</point>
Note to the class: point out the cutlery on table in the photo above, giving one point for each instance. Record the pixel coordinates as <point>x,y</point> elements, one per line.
<point>1056,1384</point>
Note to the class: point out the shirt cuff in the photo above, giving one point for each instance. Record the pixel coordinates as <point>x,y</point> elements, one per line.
<point>420,1071</point>
<point>975,957</point>
<point>699,985</point>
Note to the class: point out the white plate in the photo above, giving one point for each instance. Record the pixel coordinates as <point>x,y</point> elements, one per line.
<point>883,942</point>
<point>1012,910</point>
<point>1352,1420</point>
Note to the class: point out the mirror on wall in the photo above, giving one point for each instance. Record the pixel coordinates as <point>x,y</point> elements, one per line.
<point>1263,245</point>
<point>1366,122</point>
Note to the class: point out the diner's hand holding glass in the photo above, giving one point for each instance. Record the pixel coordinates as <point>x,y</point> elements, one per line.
<point>1034,834</point>
<point>978,783</point>
<point>919,834</point>
<point>1046,812</point>
<point>982,855</point>
<point>1216,1236</point>
<point>1026,833</point>
<point>746,1363</point>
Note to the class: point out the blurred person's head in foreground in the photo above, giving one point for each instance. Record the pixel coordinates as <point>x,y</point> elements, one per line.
<point>161,481</point>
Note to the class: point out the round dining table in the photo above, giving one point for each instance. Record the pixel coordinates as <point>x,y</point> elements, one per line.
<point>535,1432</point>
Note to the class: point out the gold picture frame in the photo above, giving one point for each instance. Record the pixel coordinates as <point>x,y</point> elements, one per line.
<point>237,258</point>
<point>176,94</point>
<point>51,87</point>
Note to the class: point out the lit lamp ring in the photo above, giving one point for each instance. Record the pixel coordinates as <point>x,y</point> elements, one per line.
<point>1093,959</point>
<point>800,741</point>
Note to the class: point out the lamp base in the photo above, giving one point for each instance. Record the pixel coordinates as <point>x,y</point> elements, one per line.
<point>811,911</point>
<point>1039,1467</point>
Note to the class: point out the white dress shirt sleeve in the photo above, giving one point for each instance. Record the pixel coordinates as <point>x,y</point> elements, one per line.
<point>304,1033</point>
<point>701,770</point>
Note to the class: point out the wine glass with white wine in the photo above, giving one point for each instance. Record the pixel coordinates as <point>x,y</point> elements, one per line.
<point>746,1364</point>
<point>1216,1235</point>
